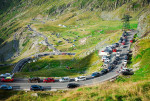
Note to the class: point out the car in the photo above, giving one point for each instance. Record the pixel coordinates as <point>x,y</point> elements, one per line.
<point>95,74</point>
<point>107,60</point>
<point>123,43</point>
<point>120,41</point>
<point>125,61</point>
<point>106,64</point>
<point>36,88</point>
<point>122,46</point>
<point>115,62</point>
<point>110,68</point>
<point>80,78</point>
<point>126,57</point>
<point>118,54</point>
<point>7,79</point>
<point>115,45</point>
<point>34,79</point>
<point>6,87</point>
<point>64,79</point>
<point>117,58</point>
<point>48,80</point>
<point>6,75</point>
<point>72,85</point>
<point>104,71</point>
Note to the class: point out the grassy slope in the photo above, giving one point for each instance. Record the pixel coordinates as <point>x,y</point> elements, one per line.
<point>138,91</point>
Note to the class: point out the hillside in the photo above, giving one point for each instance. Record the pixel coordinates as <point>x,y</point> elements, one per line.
<point>80,18</point>
<point>82,27</point>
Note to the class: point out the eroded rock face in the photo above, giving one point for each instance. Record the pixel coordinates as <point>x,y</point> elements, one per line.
<point>144,24</point>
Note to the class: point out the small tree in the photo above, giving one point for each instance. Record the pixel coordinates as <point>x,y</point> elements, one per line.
<point>126,22</point>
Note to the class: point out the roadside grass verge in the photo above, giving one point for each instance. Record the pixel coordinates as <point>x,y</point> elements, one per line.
<point>130,91</point>
<point>141,58</point>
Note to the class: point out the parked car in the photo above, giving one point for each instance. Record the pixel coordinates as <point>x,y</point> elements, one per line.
<point>95,74</point>
<point>48,80</point>
<point>106,64</point>
<point>118,54</point>
<point>6,75</point>
<point>104,71</point>
<point>115,45</point>
<point>7,79</point>
<point>6,87</point>
<point>36,88</point>
<point>72,85</point>
<point>123,43</point>
<point>122,46</point>
<point>110,68</point>
<point>126,57</point>
<point>34,79</point>
<point>125,61</point>
<point>107,60</point>
<point>105,57</point>
<point>117,58</point>
<point>64,79</point>
<point>115,62</point>
<point>80,78</point>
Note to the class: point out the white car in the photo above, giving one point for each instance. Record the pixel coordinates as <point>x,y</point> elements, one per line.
<point>107,60</point>
<point>64,79</point>
<point>125,62</point>
<point>80,78</point>
<point>118,54</point>
<point>122,46</point>
<point>6,75</point>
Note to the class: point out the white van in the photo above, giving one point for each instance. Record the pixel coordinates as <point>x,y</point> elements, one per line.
<point>80,78</point>
<point>64,79</point>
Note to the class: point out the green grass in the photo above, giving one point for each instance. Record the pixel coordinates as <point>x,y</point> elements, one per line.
<point>115,92</point>
<point>47,66</point>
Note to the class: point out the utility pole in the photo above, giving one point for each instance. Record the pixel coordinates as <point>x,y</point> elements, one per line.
<point>126,22</point>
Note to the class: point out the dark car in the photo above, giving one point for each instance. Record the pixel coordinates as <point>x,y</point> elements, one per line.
<point>36,88</point>
<point>117,58</point>
<point>6,87</point>
<point>34,79</point>
<point>95,74</point>
<point>116,44</point>
<point>110,68</point>
<point>72,85</point>
<point>126,57</point>
<point>127,73</point>
<point>115,62</point>
<point>104,71</point>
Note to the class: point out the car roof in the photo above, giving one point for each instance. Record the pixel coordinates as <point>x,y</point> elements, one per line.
<point>34,85</point>
<point>81,76</point>
<point>8,77</point>
<point>4,85</point>
<point>65,77</point>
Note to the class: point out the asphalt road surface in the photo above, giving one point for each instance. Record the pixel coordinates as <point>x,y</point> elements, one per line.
<point>22,84</point>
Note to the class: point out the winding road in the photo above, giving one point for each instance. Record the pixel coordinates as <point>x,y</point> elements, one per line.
<point>45,39</point>
<point>22,84</point>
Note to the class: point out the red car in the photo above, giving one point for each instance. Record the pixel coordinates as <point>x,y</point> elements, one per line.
<point>123,43</point>
<point>48,80</point>
<point>114,50</point>
<point>131,41</point>
<point>7,79</point>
